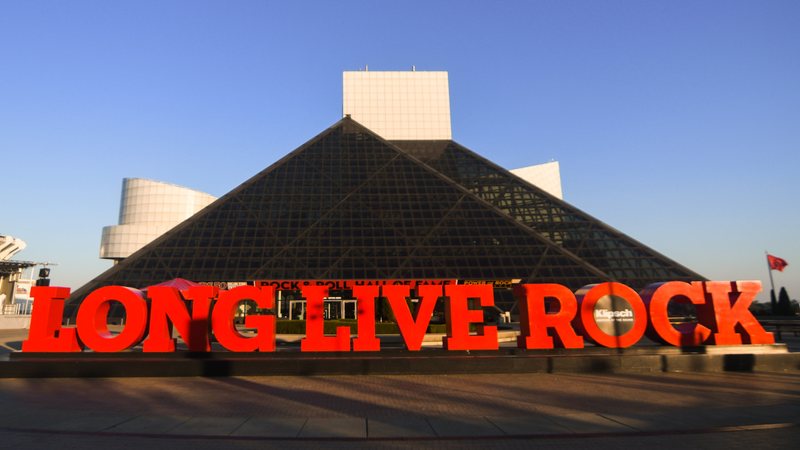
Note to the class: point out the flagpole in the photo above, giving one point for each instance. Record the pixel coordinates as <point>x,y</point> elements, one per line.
<point>769,269</point>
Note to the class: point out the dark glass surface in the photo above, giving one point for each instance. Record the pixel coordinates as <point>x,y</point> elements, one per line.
<point>349,205</point>
<point>611,252</point>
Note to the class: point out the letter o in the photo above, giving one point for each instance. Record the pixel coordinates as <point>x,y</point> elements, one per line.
<point>588,298</point>
<point>92,320</point>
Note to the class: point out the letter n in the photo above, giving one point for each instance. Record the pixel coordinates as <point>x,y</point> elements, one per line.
<point>167,309</point>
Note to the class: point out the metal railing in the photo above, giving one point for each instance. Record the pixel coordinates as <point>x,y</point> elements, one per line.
<point>17,309</point>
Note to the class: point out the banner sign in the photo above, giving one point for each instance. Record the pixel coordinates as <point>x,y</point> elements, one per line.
<point>608,314</point>
<point>296,285</point>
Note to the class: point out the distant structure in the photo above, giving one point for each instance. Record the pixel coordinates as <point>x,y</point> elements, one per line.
<point>411,106</point>
<point>148,208</point>
<point>350,205</point>
<point>396,105</point>
<point>545,176</point>
<point>10,246</point>
<point>399,105</point>
<point>367,199</point>
<point>10,273</point>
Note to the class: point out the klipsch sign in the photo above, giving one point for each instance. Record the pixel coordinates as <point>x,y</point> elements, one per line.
<point>608,314</point>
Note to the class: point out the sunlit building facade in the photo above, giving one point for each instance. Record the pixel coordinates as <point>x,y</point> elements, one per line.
<point>147,210</point>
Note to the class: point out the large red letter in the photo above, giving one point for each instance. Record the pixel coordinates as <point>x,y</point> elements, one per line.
<point>315,340</point>
<point>92,321</point>
<point>413,331</point>
<point>168,307</point>
<point>537,324</point>
<point>366,341</point>
<point>225,310</point>
<point>727,313</point>
<point>604,305</point>
<point>46,334</point>
<point>657,297</point>
<point>459,316</point>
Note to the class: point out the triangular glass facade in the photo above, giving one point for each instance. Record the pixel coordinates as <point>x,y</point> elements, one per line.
<point>611,252</point>
<point>350,205</point>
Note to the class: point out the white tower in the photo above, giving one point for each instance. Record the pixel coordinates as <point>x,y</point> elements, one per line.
<point>399,105</point>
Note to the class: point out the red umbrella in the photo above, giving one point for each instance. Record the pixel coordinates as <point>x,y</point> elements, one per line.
<point>181,283</point>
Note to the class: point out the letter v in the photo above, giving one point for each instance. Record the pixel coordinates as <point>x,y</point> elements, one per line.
<point>413,331</point>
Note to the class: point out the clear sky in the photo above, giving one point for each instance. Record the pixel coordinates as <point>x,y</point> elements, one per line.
<point>677,122</point>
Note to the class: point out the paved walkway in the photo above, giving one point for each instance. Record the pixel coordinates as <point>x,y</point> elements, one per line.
<point>397,411</point>
<point>729,410</point>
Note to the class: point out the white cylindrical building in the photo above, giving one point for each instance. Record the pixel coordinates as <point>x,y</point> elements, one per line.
<point>147,210</point>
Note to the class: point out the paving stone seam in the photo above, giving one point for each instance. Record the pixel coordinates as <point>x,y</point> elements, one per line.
<point>617,421</point>
<point>430,425</point>
<point>618,434</point>
<point>495,425</point>
<point>239,426</point>
<point>300,431</point>
<point>129,419</point>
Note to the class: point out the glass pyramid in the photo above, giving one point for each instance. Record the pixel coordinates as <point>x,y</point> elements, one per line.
<point>350,205</point>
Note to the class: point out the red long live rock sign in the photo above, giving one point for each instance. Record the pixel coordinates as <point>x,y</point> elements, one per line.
<point>609,314</point>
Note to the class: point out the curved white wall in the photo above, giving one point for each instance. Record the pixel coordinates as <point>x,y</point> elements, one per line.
<point>147,210</point>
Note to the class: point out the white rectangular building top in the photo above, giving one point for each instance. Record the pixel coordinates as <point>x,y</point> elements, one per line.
<point>399,105</point>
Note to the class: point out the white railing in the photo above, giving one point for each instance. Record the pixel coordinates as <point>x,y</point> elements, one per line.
<point>17,309</point>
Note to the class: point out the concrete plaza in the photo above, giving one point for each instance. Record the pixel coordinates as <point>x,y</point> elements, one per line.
<point>734,410</point>
<point>659,410</point>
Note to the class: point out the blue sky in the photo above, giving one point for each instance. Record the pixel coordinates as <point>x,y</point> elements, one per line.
<point>676,122</point>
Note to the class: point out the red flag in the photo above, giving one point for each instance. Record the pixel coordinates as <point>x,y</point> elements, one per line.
<point>776,263</point>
